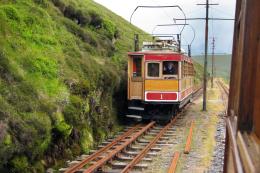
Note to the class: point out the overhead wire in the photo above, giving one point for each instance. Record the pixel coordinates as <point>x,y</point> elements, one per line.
<point>180,30</point>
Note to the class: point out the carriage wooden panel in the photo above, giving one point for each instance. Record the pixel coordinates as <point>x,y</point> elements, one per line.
<point>242,152</point>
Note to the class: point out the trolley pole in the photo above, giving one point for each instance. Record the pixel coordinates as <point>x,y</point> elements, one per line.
<point>213,63</point>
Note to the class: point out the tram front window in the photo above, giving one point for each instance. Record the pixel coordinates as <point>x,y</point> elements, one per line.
<point>170,68</point>
<point>153,70</point>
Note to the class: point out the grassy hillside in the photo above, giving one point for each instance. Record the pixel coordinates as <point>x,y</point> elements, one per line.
<point>62,79</point>
<point>62,67</point>
<point>222,64</point>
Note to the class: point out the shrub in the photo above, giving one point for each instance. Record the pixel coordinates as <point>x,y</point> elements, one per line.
<point>110,28</point>
<point>70,12</point>
<point>81,88</point>
<point>117,34</point>
<point>47,67</point>
<point>3,129</point>
<point>43,3</point>
<point>59,4</point>
<point>96,20</point>
<point>31,135</point>
<point>86,141</point>
<point>11,13</point>
<point>83,18</point>
<point>73,112</point>
<point>79,32</point>
<point>19,164</point>
<point>61,126</point>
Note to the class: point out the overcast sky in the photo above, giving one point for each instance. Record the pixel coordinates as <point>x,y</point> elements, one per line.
<point>147,19</point>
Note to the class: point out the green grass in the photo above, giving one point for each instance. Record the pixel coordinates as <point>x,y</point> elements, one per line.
<point>62,79</point>
<point>62,65</point>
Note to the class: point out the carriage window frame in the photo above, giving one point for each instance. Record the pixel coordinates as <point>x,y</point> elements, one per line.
<point>171,76</point>
<point>147,70</point>
<point>137,73</point>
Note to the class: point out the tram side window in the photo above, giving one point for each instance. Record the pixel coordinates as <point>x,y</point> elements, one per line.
<point>153,70</point>
<point>170,68</point>
<point>137,67</point>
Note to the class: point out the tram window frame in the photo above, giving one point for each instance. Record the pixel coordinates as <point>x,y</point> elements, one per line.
<point>147,70</point>
<point>171,76</point>
<point>137,67</point>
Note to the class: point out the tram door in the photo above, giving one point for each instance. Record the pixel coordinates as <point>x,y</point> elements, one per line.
<point>135,74</point>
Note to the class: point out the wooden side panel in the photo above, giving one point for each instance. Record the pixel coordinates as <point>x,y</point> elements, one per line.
<point>136,91</point>
<point>249,63</point>
<point>186,83</point>
<point>161,85</point>
<point>236,66</point>
<point>135,84</point>
<point>244,98</point>
<point>256,111</point>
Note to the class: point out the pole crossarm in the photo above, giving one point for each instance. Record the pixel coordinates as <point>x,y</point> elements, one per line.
<point>174,24</point>
<point>198,18</point>
<point>208,4</point>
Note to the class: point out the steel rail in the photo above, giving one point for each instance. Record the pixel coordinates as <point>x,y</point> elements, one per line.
<point>174,162</point>
<point>226,90</point>
<point>139,157</point>
<point>100,151</point>
<point>118,149</point>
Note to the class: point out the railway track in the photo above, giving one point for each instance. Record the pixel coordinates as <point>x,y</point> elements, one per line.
<point>131,149</point>
<point>223,87</point>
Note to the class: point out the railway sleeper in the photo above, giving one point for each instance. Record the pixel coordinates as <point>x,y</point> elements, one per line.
<point>154,130</point>
<point>72,163</point>
<point>169,133</point>
<point>82,157</point>
<point>157,128</point>
<point>164,142</point>
<point>172,128</point>
<point>62,170</point>
<point>120,165</point>
<point>127,158</point>
<point>156,145</point>
<point>140,148</point>
<point>134,153</point>
<point>106,142</point>
<point>102,146</point>
<point>143,141</point>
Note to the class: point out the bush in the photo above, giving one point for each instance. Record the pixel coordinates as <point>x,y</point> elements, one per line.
<point>70,12</point>
<point>19,164</point>
<point>59,4</point>
<point>96,20</point>
<point>83,18</point>
<point>61,126</point>
<point>11,13</point>
<point>73,112</point>
<point>43,3</point>
<point>44,66</point>
<point>81,88</point>
<point>79,32</point>
<point>31,135</point>
<point>110,29</point>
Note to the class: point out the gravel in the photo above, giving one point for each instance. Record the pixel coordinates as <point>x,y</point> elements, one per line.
<point>218,156</point>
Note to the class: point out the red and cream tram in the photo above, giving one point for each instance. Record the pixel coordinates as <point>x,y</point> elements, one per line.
<point>160,80</point>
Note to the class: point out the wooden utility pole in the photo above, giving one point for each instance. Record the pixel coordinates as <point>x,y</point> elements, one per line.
<point>213,63</point>
<point>205,77</point>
